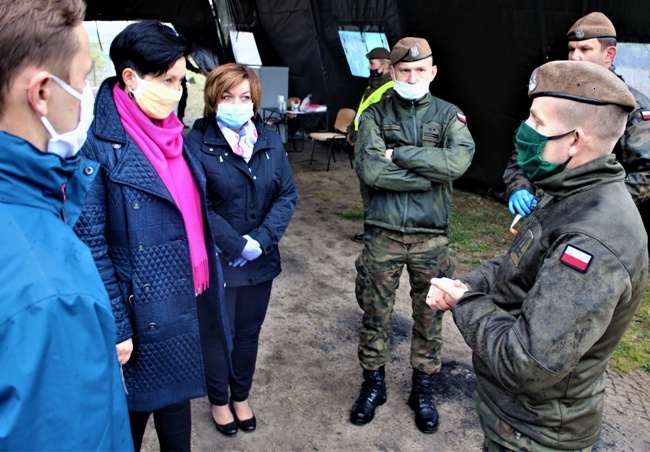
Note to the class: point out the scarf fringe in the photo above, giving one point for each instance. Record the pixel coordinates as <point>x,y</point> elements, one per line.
<point>201,277</point>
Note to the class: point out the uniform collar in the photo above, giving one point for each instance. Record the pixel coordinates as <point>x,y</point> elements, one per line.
<point>601,171</point>
<point>424,101</point>
<point>376,82</point>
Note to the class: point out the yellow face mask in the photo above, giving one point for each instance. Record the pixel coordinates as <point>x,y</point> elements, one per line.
<point>154,99</point>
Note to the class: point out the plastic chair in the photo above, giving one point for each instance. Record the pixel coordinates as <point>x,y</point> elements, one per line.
<point>344,118</point>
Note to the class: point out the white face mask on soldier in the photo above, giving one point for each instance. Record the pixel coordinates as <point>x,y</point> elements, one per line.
<point>412,92</point>
<point>69,143</point>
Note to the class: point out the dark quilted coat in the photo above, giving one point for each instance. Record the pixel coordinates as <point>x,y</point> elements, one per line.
<point>255,198</point>
<point>139,243</point>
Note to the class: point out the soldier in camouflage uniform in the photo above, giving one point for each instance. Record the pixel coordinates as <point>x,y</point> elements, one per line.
<point>593,38</point>
<point>544,318</point>
<point>410,147</point>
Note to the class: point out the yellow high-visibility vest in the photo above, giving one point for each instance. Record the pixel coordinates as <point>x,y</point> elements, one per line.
<point>368,101</point>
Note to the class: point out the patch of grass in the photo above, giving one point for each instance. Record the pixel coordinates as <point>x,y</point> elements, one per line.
<point>319,210</point>
<point>634,350</point>
<point>326,196</point>
<point>479,227</point>
<point>354,214</point>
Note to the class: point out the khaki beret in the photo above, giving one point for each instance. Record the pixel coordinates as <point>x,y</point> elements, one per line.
<point>593,25</point>
<point>410,49</point>
<point>580,81</point>
<point>378,53</point>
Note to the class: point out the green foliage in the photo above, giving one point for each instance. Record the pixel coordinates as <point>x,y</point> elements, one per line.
<point>479,227</point>
<point>634,350</point>
<point>353,214</point>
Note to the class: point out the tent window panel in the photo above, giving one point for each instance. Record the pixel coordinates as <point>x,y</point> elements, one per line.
<point>632,61</point>
<point>244,48</point>
<point>356,45</point>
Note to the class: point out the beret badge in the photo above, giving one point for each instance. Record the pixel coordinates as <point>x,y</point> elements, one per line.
<point>414,52</point>
<point>580,33</point>
<point>532,83</point>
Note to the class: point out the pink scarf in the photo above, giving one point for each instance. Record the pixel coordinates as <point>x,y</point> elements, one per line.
<point>162,143</point>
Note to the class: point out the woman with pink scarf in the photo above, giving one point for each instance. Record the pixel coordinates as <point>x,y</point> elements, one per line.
<point>146,223</point>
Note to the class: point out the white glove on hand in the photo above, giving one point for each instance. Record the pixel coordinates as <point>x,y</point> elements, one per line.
<point>252,250</point>
<point>239,262</point>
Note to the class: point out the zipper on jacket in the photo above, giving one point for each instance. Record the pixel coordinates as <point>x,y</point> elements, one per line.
<point>415,135</point>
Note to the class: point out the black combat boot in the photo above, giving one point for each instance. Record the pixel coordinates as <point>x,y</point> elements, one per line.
<point>373,394</point>
<point>421,401</point>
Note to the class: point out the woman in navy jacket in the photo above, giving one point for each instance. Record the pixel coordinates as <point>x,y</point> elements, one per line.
<point>145,221</point>
<point>251,198</point>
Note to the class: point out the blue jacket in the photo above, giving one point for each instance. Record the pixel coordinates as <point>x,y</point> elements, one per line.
<point>255,198</point>
<point>60,384</point>
<point>139,242</point>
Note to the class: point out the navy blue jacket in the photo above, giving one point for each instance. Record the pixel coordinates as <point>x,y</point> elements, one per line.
<point>255,198</point>
<point>138,239</point>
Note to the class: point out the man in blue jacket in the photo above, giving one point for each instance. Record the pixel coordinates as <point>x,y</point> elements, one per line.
<point>60,384</point>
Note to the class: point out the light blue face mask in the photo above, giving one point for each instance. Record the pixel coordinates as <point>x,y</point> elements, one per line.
<point>234,116</point>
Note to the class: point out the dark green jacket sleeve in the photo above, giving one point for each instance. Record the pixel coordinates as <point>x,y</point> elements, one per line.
<point>439,164</point>
<point>374,169</point>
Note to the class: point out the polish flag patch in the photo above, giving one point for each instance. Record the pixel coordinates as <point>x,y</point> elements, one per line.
<point>461,117</point>
<point>645,114</point>
<point>576,258</point>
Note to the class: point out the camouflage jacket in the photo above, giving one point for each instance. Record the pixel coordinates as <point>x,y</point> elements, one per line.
<point>374,83</point>
<point>431,146</point>
<point>632,151</point>
<point>544,318</point>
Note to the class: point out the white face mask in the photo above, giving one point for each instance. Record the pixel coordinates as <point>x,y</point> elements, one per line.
<point>412,91</point>
<point>68,144</point>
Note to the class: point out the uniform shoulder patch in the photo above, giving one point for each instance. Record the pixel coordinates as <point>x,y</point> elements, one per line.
<point>576,258</point>
<point>461,117</point>
<point>645,114</point>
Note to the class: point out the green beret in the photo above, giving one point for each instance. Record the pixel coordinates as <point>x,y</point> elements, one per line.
<point>593,25</point>
<point>580,81</point>
<point>378,53</point>
<point>410,49</point>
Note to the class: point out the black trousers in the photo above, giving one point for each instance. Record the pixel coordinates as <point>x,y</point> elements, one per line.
<point>173,426</point>
<point>246,308</point>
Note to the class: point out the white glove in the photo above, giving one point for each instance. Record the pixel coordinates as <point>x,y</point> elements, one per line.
<point>239,262</point>
<point>252,250</point>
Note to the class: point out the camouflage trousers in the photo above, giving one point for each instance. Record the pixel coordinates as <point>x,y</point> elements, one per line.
<point>379,268</point>
<point>501,437</point>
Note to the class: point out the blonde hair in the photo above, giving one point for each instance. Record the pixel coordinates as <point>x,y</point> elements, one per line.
<point>225,77</point>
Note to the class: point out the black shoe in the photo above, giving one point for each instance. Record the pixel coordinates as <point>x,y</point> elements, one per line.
<point>358,237</point>
<point>229,429</point>
<point>247,425</point>
<point>421,401</point>
<point>373,394</point>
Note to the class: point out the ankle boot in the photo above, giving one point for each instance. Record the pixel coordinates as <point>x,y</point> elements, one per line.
<point>421,401</point>
<point>373,394</point>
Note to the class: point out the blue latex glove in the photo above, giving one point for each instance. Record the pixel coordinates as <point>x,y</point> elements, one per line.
<point>252,250</point>
<point>239,262</point>
<point>522,202</point>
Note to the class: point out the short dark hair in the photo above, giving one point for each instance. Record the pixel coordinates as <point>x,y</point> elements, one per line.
<point>37,33</point>
<point>147,47</point>
<point>607,42</point>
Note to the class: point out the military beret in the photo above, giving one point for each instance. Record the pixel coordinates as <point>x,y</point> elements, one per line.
<point>378,53</point>
<point>593,25</point>
<point>580,81</point>
<point>410,49</point>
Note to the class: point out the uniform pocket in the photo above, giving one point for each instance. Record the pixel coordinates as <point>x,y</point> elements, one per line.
<point>431,132</point>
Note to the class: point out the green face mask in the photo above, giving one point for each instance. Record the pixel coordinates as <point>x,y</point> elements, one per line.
<point>530,144</point>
